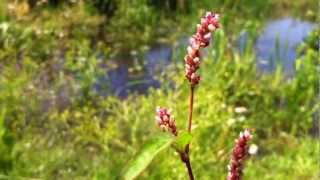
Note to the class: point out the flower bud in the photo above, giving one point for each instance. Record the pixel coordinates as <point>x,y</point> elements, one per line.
<point>211,27</point>
<point>196,60</point>
<point>165,121</point>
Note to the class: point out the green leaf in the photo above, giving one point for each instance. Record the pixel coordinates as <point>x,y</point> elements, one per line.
<point>2,116</point>
<point>182,140</point>
<point>148,152</point>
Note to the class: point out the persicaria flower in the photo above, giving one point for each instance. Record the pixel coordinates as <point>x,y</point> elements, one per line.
<point>239,154</point>
<point>209,23</point>
<point>166,121</point>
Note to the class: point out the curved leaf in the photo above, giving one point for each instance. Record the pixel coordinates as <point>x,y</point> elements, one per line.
<point>148,152</point>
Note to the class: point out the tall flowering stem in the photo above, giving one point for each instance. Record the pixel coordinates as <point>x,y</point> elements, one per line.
<point>201,39</point>
<point>239,155</point>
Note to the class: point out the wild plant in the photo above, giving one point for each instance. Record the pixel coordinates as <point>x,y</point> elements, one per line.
<point>180,139</point>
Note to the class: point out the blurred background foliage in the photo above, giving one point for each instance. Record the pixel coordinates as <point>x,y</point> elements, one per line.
<point>55,125</point>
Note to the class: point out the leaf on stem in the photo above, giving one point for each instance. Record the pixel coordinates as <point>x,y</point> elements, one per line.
<point>182,140</point>
<point>148,152</point>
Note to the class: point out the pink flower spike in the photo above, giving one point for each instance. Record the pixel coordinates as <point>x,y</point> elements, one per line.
<point>239,155</point>
<point>166,121</point>
<point>209,23</point>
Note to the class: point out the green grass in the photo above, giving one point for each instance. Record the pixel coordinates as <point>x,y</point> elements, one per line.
<point>295,160</point>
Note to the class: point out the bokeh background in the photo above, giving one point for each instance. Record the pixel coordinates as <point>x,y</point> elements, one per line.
<point>80,81</point>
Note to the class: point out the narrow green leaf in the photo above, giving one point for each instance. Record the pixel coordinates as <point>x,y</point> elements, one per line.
<point>148,152</point>
<point>2,116</point>
<point>182,140</point>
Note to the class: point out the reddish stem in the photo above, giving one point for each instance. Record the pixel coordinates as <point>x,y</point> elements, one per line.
<point>186,158</point>
<point>188,164</point>
<point>190,114</point>
<point>190,107</point>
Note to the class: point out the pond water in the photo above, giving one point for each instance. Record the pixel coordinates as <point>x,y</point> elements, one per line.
<point>122,80</point>
<point>276,44</point>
